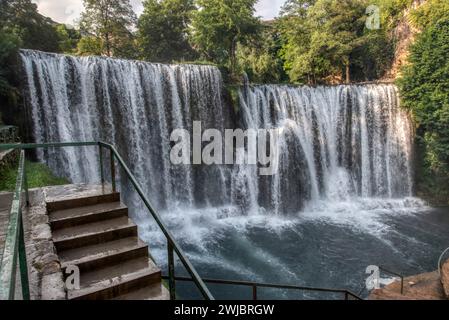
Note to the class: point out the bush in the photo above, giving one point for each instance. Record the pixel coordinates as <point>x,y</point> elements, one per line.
<point>424,88</point>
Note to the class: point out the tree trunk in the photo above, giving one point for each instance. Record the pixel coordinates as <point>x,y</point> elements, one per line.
<point>348,74</point>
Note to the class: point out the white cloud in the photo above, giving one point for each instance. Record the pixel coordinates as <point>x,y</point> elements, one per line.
<point>66,11</point>
<point>269,9</point>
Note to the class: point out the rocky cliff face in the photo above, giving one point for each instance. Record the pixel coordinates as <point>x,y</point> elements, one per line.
<point>404,35</point>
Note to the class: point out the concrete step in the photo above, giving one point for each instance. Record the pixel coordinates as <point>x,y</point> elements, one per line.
<point>104,254</point>
<point>93,233</point>
<point>118,280</point>
<point>70,203</point>
<point>155,292</point>
<point>82,215</point>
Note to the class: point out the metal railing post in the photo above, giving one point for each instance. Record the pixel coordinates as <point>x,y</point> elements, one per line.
<point>100,150</point>
<point>23,267</point>
<point>255,292</point>
<point>395,274</point>
<point>25,181</point>
<point>114,186</point>
<point>171,271</point>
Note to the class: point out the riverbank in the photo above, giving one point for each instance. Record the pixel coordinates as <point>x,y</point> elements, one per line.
<point>427,286</point>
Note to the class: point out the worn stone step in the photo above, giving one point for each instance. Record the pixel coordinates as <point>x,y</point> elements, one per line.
<point>155,292</point>
<point>113,281</point>
<point>93,233</point>
<point>87,214</point>
<point>104,254</point>
<point>70,203</point>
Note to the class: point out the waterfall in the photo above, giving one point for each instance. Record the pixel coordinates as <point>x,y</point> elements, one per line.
<point>133,105</point>
<point>337,143</point>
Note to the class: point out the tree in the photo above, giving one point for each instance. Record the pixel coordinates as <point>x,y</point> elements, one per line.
<point>295,33</point>
<point>324,40</point>
<point>21,26</point>
<point>260,59</point>
<point>88,46</point>
<point>430,13</point>
<point>337,30</point>
<point>34,30</point>
<point>111,23</point>
<point>9,44</point>
<point>424,87</point>
<point>68,39</point>
<point>163,30</point>
<point>220,25</point>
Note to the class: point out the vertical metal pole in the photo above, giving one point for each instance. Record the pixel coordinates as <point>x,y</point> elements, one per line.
<point>402,285</point>
<point>23,267</point>
<point>114,187</point>
<point>100,150</point>
<point>171,271</point>
<point>25,178</point>
<point>346,296</point>
<point>254,292</point>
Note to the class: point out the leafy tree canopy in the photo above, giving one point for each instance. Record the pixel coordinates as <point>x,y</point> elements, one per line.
<point>425,90</point>
<point>111,23</point>
<point>220,25</point>
<point>329,38</point>
<point>163,30</point>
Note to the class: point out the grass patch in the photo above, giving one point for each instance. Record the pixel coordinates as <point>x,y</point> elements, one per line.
<point>38,174</point>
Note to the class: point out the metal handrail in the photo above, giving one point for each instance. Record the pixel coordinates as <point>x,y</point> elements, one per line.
<point>15,242</point>
<point>256,285</point>
<point>396,275</point>
<point>441,261</point>
<point>172,245</point>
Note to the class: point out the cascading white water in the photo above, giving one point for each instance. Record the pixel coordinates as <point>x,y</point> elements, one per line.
<point>337,142</point>
<point>133,105</point>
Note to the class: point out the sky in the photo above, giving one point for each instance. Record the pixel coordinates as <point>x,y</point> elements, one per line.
<point>66,11</point>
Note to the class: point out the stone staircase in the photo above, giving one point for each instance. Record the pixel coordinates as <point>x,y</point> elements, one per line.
<point>95,233</point>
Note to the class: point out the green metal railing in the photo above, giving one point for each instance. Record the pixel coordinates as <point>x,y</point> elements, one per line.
<point>348,295</point>
<point>15,240</point>
<point>14,249</point>
<point>392,273</point>
<point>172,246</point>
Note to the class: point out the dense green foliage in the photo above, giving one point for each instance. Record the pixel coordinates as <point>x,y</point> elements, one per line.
<point>38,175</point>
<point>21,26</point>
<point>220,25</point>
<point>430,13</point>
<point>424,87</point>
<point>68,39</point>
<point>259,57</point>
<point>163,30</point>
<point>327,40</point>
<point>313,41</point>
